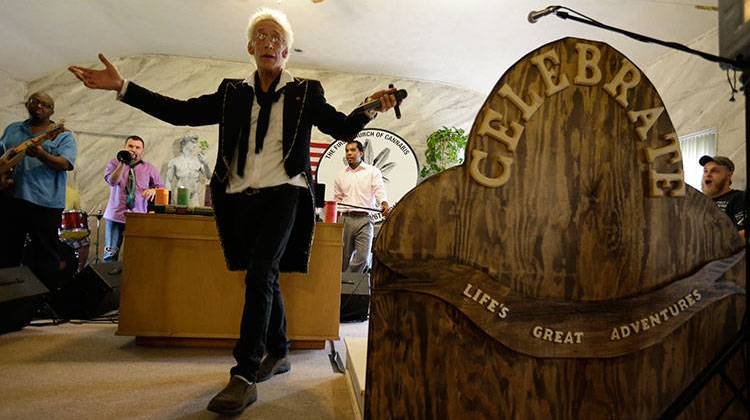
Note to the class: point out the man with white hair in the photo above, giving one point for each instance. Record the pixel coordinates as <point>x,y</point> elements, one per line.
<point>262,183</point>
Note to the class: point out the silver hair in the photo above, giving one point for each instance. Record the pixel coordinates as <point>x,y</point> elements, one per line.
<point>278,17</point>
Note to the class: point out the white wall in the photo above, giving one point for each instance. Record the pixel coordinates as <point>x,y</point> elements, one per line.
<point>12,96</point>
<point>101,122</point>
<point>696,95</point>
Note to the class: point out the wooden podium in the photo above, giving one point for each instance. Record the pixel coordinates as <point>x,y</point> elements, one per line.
<point>565,270</point>
<point>176,289</point>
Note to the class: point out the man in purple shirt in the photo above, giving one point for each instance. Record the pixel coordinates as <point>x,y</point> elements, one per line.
<point>131,186</point>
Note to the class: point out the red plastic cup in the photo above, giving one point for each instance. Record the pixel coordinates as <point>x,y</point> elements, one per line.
<point>330,210</point>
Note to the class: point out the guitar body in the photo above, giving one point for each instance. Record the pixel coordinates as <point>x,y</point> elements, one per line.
<point>14,156</point>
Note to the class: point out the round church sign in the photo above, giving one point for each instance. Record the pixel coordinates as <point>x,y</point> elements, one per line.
<point>383,149</point>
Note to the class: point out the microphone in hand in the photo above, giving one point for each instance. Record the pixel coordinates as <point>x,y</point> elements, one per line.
<point>396,108</point>
<point>125,157</point>
<point>399,94</point>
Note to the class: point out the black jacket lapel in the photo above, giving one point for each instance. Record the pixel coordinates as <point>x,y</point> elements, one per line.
<point>237,123</point>
<point>292,106</point>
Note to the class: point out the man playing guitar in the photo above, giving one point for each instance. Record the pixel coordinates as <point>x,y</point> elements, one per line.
<point>33,198</point>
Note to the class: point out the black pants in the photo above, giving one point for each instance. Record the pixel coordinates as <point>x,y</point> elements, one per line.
<point>265,220</point>
<point>19,218</point>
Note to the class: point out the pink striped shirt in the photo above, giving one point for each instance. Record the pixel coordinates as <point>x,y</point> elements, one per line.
<point>362,187</point>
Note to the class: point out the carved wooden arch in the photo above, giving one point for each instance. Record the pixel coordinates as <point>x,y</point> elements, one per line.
<point>571,199</point>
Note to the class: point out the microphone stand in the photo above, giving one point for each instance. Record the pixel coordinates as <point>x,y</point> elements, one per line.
<point>98,222</point>
<point>737,64</point>
<point>717,365</point>
<point>360,207</point>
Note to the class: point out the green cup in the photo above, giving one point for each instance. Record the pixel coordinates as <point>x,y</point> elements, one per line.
<point>183,196</point>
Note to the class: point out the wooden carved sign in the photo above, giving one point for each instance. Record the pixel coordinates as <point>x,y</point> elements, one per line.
<point>566,251</point>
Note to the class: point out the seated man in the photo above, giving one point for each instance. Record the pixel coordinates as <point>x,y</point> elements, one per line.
<point>717,181</point>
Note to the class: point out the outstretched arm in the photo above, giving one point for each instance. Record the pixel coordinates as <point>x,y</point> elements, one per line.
<point>108,78</point>
<point>341,126</point>
<point>203,110</point>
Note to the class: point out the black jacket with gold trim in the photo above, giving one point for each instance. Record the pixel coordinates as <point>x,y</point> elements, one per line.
<point>230,106</point>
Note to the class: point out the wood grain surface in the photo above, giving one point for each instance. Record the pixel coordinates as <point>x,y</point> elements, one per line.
<point>571,213</point>
<point>574,221</point>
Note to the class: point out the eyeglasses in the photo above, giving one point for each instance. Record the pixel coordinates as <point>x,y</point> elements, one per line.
<point>274,39</point>
<point>36,102</point>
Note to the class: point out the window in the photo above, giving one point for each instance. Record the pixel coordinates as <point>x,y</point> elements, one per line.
<point>693,146</point>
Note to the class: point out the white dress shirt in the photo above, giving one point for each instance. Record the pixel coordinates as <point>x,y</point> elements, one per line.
<point>362,186</point>
<point>264,169</point>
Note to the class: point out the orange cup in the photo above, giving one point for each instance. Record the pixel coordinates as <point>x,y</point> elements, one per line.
<point>162,197</point>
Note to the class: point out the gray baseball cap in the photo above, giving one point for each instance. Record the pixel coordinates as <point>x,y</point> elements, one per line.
<point>719,160</point>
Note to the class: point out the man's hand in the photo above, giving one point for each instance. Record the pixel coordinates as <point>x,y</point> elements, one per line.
<point>6,181</point>
<point>57,163</point>
<point>107,79</point>
<point>387,99</point>
<point>149,194</point>
<point>385,208</point>
<point>35,151</point>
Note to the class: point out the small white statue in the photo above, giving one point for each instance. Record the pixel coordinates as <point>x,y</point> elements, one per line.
<point>189,169</point>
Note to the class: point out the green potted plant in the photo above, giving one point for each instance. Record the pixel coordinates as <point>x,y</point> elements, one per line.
<point>445,148</point>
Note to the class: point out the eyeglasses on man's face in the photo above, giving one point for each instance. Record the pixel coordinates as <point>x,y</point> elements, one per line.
<point>33,102</point>
<point>273,39</point>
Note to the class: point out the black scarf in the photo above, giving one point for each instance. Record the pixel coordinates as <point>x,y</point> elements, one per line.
<point>266,101</point>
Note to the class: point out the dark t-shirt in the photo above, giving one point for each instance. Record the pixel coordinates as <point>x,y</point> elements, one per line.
<point>733,204</point>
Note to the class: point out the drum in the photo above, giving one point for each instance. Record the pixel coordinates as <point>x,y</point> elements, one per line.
<point>74,225</point>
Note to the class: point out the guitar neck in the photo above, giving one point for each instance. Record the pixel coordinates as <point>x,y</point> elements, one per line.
<point>37,140</point>
<point>19,152</point>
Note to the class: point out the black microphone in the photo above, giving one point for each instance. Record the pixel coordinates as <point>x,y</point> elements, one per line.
<point>125,157</point>
<point>396,109</point>
<point>534,15</point>
<point>399,94</point>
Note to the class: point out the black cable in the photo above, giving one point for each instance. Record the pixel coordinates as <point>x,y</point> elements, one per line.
<point>579,17</point>
<point>733,86</point>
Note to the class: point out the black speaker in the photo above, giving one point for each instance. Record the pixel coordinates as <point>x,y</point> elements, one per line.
<point>93,292</point>
<point>20,294</point>
<point>355,297</point>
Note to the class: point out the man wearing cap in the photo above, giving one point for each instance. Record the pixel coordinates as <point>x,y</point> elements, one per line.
<point>717,181</point>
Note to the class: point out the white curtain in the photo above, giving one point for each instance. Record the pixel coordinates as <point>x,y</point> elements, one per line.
<point>693,146</point>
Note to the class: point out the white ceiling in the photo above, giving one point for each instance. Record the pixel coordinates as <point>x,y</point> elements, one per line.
<point>469,43</point>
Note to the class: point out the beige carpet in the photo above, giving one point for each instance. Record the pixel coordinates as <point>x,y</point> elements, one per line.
<point>75,371</point>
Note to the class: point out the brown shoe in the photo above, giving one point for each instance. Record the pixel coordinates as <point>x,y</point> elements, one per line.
<point>272,366</point>
<point>235,397</point>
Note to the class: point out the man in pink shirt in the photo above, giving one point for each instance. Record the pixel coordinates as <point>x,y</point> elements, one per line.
<point>131,186</point>
<point>360,185</point>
